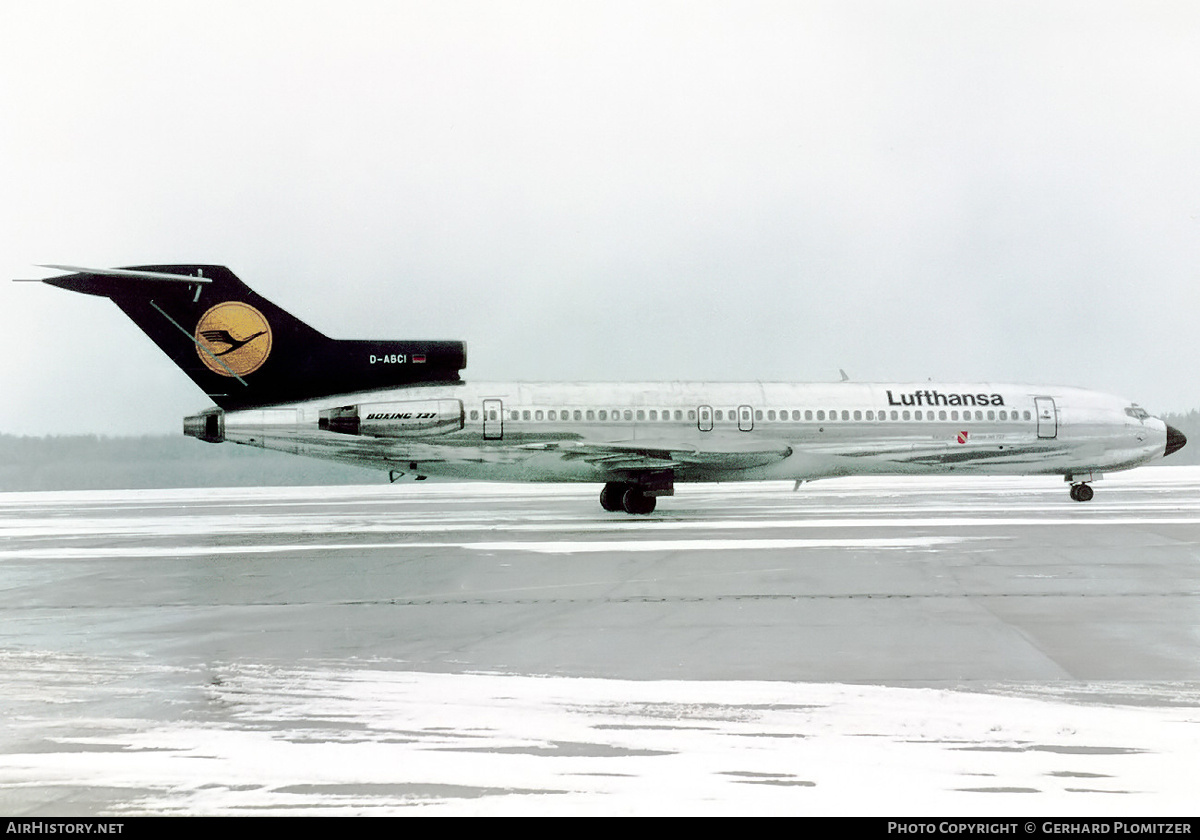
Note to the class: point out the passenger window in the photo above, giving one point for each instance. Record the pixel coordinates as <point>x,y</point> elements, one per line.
<point>474,415</point>
<point>857,415</point>
<point>758,414</point>
<point>942,415</point>
<point>538,416</point>
<point>653,414</point>
<point>917,415</point>
<point>907,415</point>
<point>525,414</point>
<point>808,414</point>
<point>551,415</point>
<point>770,415</point>
<point>1028,416</point>
<point>895,416</point>
<point>603,414</point>
<point>845,414</point>
<point>691,414</point>
<point>578,414</point>
<point>991,415</point>
<point>820,415</point>
<point>641,415</point>
<point>718,416</point>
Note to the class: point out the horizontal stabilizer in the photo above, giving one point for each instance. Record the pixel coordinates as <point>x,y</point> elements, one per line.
<point>133,274</point>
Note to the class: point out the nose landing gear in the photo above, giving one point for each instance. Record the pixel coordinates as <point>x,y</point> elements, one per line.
<point>1081,492</point>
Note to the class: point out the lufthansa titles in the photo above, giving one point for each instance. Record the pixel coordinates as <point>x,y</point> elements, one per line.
<point>938,398</point>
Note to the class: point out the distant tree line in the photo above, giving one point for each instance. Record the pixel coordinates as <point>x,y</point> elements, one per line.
<point>89,462</point>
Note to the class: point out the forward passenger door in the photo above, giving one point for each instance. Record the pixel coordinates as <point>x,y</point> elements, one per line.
<point>1047,417</point>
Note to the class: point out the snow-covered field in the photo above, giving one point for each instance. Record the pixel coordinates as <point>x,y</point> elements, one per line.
<point>360,740</point>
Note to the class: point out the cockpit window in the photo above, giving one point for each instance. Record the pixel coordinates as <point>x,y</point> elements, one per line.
<point>1137,412</point>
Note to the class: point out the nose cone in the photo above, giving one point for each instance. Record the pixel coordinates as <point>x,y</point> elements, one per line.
<point>1175,440</point>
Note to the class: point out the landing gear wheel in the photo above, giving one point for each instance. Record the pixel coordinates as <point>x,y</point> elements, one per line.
<point>1082,492</point>
<point>611,497</point>
<point>635,501</point>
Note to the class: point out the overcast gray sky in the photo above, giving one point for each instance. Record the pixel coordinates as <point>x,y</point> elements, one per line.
<point>609,190</point>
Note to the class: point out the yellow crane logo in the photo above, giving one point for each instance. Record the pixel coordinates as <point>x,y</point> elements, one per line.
<point>233,339</point>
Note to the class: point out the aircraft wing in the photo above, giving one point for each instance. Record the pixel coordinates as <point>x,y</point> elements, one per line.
<point>659,455</point>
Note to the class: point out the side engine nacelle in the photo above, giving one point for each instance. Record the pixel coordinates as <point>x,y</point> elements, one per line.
<point>418,418</point>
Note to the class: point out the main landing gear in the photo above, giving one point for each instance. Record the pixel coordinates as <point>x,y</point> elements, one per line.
<point>1081,492</point>
<point>618,496</point>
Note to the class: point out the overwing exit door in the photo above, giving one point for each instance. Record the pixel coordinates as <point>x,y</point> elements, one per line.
<point>493,419</point>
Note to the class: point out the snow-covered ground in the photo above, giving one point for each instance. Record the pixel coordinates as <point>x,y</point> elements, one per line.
<point>338,740</point>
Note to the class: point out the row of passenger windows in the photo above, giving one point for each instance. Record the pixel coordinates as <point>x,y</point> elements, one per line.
<point>794,415</point>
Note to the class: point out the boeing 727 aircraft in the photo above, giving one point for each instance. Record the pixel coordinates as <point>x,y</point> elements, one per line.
<point>402,406</point>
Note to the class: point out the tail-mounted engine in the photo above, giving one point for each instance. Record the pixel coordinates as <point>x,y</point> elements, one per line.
<point>208,426</point>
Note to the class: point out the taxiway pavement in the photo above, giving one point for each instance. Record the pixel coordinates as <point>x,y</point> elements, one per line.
<point>147,606</point>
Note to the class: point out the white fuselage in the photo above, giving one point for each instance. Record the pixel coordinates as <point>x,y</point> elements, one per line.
<point>700,431</point>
